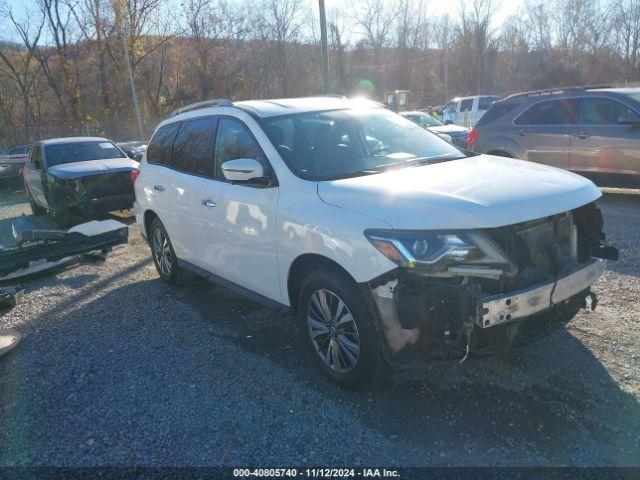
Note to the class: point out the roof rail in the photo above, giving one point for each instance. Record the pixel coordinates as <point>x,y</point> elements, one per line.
<point>555,90</point>
<point>214,102</point>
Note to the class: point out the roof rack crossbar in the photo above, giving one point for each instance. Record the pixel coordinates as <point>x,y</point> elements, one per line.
<point>214,102</point>
<point>556,90</point>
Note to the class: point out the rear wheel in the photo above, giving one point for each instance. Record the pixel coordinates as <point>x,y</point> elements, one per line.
<point>338,329</point>
<point>164,257</point>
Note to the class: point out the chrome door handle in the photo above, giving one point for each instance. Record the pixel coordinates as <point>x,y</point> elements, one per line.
<point>582,135</point>
<point>209,203</point>
<point>522,133</point>
<point>158,188</point>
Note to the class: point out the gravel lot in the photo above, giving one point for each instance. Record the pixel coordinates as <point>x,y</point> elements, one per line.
<point>116,368</point>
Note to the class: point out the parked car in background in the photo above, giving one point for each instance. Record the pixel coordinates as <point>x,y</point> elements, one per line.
<point>466,111</point>
<point>455,133</point>
<point>134,149</point>
<point>591,131</point>
<point>12,160</point>
<point>78,176</point>
<point>386,242</point>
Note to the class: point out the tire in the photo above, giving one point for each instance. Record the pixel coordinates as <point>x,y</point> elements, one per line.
<point>331,338</point>
<point>164,257</point>
<point>62,216</point>
<point>36,209</point>
<point>500,153</point>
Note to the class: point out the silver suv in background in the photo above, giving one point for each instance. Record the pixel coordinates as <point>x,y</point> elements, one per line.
<point>591,131</point>
<point>467,111</point>
<point>12,160</point>
<point>452,133</point>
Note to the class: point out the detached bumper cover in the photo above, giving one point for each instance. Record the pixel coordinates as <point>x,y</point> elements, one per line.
<point>502,308</point>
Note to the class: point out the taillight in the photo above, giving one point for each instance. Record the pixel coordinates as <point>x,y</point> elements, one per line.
<point>471,137</point>
<point>134,174</point>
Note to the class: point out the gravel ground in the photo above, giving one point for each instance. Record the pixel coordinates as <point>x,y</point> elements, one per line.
<point>116,368</point>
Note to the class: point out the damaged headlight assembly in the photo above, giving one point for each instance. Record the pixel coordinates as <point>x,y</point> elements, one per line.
<point>443,252</point>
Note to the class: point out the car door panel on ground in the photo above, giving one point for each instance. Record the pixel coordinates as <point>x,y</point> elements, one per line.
<point>240,240</point>
<point>544,132</point>
<point>606,138</point>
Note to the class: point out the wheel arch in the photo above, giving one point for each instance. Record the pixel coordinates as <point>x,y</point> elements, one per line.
<point>500,152</point>
<point>148,217</point>
<point>301,267</point>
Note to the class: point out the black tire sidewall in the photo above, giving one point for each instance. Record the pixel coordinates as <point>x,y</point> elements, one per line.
<point>172,278</point>
<point>370,360</point>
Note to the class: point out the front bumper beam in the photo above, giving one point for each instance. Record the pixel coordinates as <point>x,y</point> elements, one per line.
<point>497,309</point>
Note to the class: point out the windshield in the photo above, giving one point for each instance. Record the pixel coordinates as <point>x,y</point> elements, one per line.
<point>633,95</point>
<point>345,143</point>
<point>61,153</point>
<point>424,120</point>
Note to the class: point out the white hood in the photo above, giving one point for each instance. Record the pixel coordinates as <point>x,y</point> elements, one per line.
<point>476,192</point>
<point>93,167</point>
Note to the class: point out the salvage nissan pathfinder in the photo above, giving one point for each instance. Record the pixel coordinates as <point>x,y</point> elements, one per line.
<point>384,240</point>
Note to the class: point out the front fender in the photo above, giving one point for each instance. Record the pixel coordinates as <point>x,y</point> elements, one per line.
<point>310,226</point>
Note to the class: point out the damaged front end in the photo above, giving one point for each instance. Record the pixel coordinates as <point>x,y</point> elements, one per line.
<point>91,194</point>
<point>464,293</point>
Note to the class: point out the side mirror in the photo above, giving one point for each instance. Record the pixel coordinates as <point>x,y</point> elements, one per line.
<point>628,120</point>
<point>448,122</point>
<point>242,170</point>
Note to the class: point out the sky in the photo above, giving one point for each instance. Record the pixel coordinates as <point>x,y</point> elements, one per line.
<point>434,7</point>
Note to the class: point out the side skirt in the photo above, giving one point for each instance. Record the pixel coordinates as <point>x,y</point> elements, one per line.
<point>256,297</point>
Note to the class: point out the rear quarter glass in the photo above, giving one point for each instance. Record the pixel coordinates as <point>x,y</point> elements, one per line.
<point>496,111</point>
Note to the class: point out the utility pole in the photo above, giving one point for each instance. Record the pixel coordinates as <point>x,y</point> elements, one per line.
<point>325,51</point>
<point>446,60</point>
<point>133,89</point>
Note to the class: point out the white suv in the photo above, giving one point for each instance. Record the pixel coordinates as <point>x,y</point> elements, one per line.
<point>387,243</point>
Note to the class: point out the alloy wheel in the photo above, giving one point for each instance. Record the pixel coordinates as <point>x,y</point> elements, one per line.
<point>162,252</point>
<point>333,331</point>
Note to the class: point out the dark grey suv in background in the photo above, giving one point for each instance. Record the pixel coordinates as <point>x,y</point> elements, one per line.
<point>592,131</point>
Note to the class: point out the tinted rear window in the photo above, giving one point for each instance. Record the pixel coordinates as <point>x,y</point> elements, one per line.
<point>192,148</point>
<point>466,104</point>
<point>485,102</point>
<point>550,112</point>
<point>62,153</point>
<point>159,150</point>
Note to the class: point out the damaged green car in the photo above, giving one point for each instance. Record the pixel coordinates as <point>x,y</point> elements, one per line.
<point>83,176</point>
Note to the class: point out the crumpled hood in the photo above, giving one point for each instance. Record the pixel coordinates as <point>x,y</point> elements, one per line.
<point>476,192</point>
<point>93,167</point>
<point>448,129</point>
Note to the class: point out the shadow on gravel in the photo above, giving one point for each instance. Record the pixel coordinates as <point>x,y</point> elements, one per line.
<point>121,380</point>
<point>11,189</point>
<point>622,226</point>
<point>548,403</point>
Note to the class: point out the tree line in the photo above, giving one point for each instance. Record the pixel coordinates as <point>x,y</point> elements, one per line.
<point>63,68</point>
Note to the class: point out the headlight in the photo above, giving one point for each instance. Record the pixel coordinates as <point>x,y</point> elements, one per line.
<point>437,250</point>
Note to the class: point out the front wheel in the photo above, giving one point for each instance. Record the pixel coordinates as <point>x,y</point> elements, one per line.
<point>164,257</point>
<point>62,216</point>
<point>36,209</point>
<point>338,329</point>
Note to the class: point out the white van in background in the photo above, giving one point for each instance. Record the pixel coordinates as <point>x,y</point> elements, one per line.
<point>466,111</point>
